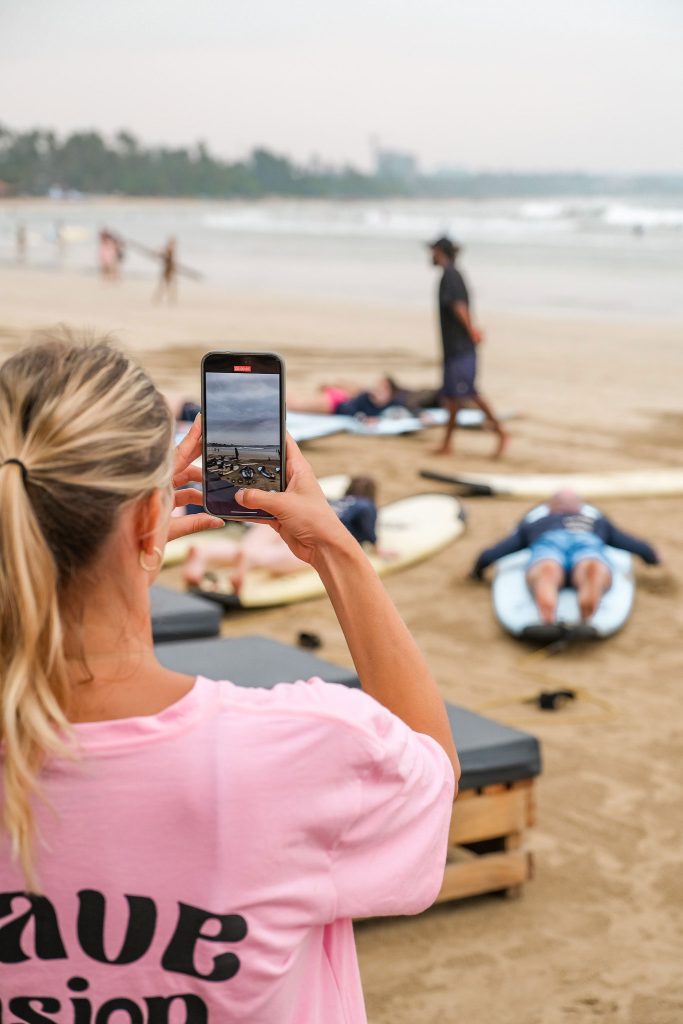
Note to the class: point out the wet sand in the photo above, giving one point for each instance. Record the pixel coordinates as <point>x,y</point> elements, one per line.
<point>598,934</point>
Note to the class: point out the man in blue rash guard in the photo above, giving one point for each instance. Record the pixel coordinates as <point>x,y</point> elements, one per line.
<point>568,544</point>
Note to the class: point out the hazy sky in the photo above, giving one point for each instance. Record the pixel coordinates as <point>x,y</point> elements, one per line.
<point>539,84</point>
<point>243,412</point>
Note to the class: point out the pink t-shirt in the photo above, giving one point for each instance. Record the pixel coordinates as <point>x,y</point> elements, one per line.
<point>203,865</point>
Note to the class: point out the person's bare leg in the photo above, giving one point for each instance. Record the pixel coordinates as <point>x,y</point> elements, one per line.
<point>446,447</point>
<point>497,426</point>
<point>263,548</point>
<point>309,403</point>
<point>545,579</point>
<point>592,578</point>
<point>201,556</point>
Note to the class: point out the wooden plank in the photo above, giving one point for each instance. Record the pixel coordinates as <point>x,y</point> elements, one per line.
<point>489,873</point>
<point>489,815</point>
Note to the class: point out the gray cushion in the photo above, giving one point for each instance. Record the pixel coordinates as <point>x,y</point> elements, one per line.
<point>489,752</point>
<point>178,616</point>
<point>250,661</point>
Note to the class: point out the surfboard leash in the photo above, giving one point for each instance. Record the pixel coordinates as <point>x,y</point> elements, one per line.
<point>555,699</point>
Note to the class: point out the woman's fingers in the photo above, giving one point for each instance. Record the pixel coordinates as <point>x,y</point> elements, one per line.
<point>185,525</point>
<point>252,497</point>
<point>189,496</point>
<point>190,447</point>
<point>192,474</point>
<point>296,462</point>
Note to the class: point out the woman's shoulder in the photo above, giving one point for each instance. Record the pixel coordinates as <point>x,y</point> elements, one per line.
<point>313,701</point>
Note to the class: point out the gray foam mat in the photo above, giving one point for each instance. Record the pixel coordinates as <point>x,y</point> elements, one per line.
<point>489,752</point>
<point>177,616</point>
<point>250,661</point>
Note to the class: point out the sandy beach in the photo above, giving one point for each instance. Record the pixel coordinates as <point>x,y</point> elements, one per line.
<point>598,933</point>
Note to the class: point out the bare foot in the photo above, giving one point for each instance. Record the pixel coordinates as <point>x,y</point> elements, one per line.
<point>590,592</point>
<point>545,596</point>
<point>237,580</point>
<point>503,440</point>
<point>442,450</point>
<point>194,567</point>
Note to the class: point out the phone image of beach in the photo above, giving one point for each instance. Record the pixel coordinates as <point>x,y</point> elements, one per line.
<point>243,438</point>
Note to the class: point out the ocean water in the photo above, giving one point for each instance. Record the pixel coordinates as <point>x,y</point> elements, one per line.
<point>600,256</point>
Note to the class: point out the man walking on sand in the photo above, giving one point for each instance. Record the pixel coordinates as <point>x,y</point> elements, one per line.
<point>459,338</point>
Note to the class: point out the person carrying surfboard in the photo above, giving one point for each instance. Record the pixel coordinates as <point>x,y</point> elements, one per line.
<point>168,279</point>
<point>567,543</point>
<point>459,338</point>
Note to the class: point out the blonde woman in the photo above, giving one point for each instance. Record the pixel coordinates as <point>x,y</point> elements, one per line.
<point>176,849</point>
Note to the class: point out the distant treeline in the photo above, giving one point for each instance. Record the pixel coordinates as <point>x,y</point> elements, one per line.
<point>37,161</point>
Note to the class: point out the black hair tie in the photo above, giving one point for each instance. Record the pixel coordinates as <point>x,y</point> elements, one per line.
<point>22,467</point>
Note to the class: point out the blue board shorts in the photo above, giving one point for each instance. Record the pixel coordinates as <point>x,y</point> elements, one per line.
<point>568,548</point>
<point>459,373</point>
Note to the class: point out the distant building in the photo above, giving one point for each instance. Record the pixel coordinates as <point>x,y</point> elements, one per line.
<point>449,171</point>
<point>395,164</point>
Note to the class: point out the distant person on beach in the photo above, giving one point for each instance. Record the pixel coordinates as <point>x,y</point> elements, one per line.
<point>459,339</point>
<point>21,240</point>
<point>347,400</point>
<point>351,400</point>
<point>110,254</point>
<point>263,548</point>
<point>59,240</point>
<point>342,399</point>
<point>567,544</point>
<point>168,280</point>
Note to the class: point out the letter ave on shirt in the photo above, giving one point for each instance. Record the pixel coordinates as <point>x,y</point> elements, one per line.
<point>29,929</point>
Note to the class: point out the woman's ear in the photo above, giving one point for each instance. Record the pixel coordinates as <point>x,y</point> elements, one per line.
<point>150,521</point>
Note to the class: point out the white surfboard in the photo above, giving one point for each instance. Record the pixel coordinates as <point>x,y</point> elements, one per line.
<point>308,426</point>
<point>516,610</point>
<point>624,484</point>
<point>333,486</point>
<point>517,613</point>
<point>304,426</point>
<point>411,529</point>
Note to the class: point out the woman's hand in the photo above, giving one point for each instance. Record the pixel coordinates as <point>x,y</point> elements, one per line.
<point>303,517</point>
<point>189,449</point>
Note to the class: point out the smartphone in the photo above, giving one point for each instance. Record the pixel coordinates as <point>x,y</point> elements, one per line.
<point>243,429</point>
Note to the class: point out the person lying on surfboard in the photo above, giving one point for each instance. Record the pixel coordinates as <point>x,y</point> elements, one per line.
<point>263,548</point>
<point>329,400</point>
<point>568,546</point>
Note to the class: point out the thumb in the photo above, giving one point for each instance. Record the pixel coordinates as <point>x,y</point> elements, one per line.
<point>252,497</point>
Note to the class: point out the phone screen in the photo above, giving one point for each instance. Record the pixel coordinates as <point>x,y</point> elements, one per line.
<point>243,429</point>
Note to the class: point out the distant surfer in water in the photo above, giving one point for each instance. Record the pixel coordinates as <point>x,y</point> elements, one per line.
<point>568,544</point>
<point>168,281</point>
<point>459,338</point>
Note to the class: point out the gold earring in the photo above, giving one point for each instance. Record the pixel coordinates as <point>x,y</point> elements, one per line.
<point>151,568</point>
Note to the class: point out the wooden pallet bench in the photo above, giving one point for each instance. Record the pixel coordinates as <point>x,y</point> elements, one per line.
<point>487,841</point>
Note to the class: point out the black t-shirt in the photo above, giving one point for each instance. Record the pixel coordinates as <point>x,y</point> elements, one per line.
<point>361,405</point>
<point>454,335</point>
<point>359,516</point>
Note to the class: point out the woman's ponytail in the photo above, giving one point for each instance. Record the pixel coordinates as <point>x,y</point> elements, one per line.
<point>33,679</point>
<point>83,431</point>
